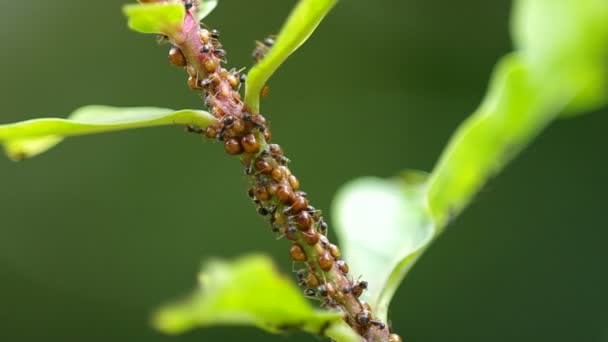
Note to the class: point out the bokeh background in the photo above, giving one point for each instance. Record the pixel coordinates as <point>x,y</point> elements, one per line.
<point>101,230</point>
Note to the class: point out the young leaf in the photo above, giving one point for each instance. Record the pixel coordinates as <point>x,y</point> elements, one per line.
<point>28,138</point>
<point>566,41</point>
<point>302,22</point>
<point>165,18</point>
<point>248,291</point>
<point>560,67</point>
<point>383,226</point>
<point>205,7</point>
<point>515,110</point>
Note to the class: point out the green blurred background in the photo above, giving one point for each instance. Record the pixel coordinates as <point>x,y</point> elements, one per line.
<point>101,230</point>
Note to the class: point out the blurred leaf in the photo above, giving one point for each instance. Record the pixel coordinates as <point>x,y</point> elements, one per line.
<point>515,110</point>
<point>566,42</point>
<point>248,291</point>
<point>302,22</point>
<point>561,65</point>
<point>383,226</point>
<point>205,8</point>
<point>28,138</point>
<point>165,18</point>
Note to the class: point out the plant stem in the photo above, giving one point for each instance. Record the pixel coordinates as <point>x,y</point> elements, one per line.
<point>274,188</point>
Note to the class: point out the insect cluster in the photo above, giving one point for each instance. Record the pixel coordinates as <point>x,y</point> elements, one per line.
<point>274,189</point>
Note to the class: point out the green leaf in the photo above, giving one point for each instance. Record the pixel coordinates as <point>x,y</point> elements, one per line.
<point>28,138</point>
<point>248,291</point>
<point>165,18</point>
<point>566,41</point>
<point>383,226</point>
<point>205,7</point>
<point>515,110</point>
<point>302,22</point>
<point>561,66</point>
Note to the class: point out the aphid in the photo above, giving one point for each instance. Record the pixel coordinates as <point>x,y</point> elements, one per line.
<point>205,83</point>
<point>210,65</point>
<point>311,237</point>
<point>219,53</point>
<point>262,48</point>
<point>211,132</point>
<point>299,204</point>
<point>293,181</point>
<point>228,120</point>
<point>263,211</point>
<point>260,120</point>
<point>261,193</point>
<point>259,52</point>
<point>204,36</point>
<point>310,293</point>
<point>215,34</point>
<point>285,170</point>
<point>243,78</point>
<point>221,135</point>
<point>193,129</point>
<point>323,227</point>
<point>343,266</point>
<point>300,274</point>
<point>215,79</point>
<point>297,253</point>
<point>364,317</point>
<point>263,166</point>
<point>324,241</point>
<point>233,81</point>
<point>291,233</point>
<point>232,146</point>
<point>312,280</point>
<point>277,174</point>
<point>316,214</point>
<point>334,250</point>
<point>325,261</point>
<point>250,144</point>
<point>269,41</point>
<point>322,291</point>
<point>188,4</point>
<point>255,122</point>
<point>176,57</point>
<point>359,288</point>
<point>319,249</point>
<point>379,324</point>
<point>267,134</point>
<point>162,39</point>
<point>394,338</point>
<point>272,188</point>
<point>193,83</point>
<point>205,48</point>
<point>237,127</point>
<point>284,194</point>
<point>282,160</point>
<point>303,220</point>
<point>275,149</point>
<point>346,289</point>
<point>265,91</point>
